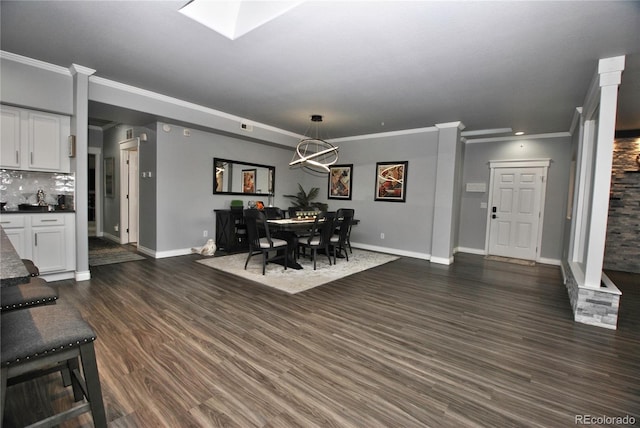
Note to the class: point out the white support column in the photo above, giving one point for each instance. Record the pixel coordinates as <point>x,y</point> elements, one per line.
<point>610,71</point>
<point>448,191</point>
<point>80,165</point>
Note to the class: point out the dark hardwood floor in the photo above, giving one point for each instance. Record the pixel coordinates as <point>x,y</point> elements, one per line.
<point>407,344</point>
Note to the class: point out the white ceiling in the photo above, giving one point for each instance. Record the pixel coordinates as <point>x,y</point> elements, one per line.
<point>366,66</point>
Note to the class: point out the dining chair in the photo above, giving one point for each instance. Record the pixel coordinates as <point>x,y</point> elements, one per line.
<point>320,237</point>
<point>273,213</point>
<point>43,339</point>
<point>255,221</point>
<point>339,240</point>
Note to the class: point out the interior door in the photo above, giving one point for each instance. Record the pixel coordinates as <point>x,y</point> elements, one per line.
<point>515,212</point>
<point>133,196</point>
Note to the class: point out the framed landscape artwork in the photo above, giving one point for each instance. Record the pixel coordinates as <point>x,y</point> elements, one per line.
<point>340,182</point>
<point>391,181</point>
<point>249,180</point>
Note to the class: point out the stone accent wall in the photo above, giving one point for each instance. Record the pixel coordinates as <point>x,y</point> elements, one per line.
<point>590,306</point>
<point>622,248</point>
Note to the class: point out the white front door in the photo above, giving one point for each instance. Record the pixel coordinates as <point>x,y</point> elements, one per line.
<point>515,211</point>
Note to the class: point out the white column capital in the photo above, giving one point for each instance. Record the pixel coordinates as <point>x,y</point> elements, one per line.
<point>457,124</point>
<point>79,69</point>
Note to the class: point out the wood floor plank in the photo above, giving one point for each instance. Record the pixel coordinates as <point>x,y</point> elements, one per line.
<point>475,344</point>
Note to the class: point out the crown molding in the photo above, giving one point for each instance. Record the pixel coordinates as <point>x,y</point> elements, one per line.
<point>34,63</point>
<point>384,134</point>
<point>186,104</point>
<point>519,137</point>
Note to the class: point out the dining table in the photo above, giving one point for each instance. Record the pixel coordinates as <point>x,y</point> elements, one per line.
<point>291,230</point>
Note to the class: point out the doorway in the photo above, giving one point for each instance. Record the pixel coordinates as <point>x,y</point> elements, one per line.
<point>516,207</point>
<point>129,199</point>
<point>95,192</point>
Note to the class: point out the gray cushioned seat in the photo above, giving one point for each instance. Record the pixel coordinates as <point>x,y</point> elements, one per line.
<point>47,338</point>
<point>41,330</point>
<point>34,293</point>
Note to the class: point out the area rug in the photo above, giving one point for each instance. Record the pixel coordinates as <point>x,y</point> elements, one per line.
<point>511,260</point>
<point>294,281</point>
<point>104,252</point>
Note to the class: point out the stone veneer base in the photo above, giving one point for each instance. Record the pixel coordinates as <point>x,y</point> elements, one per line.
<point>597,307</point>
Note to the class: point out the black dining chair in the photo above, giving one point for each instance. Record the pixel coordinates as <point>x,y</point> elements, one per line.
<point>256,221</point>
<point>339,240</point>
<point>320,237</point>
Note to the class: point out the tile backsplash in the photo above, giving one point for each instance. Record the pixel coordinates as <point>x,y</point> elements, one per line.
<point>20,187</point>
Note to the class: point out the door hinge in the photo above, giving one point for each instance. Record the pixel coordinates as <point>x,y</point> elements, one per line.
<point>127,230</point>
<point>127,161</point>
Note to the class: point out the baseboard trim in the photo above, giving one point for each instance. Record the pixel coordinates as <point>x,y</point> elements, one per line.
<point>83,276</point>
<point>548,261</point>
<point>393,251</point>
<point>478,251</point>
<point>442,260</point>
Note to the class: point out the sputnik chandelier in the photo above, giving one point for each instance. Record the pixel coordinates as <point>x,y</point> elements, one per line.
<point>315,154</point>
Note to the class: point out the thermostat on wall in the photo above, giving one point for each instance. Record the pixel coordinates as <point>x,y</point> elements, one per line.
<point>477,187</point>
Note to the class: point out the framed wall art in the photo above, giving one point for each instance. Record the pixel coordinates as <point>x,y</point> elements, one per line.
<point>340,182</point>
<point>249,180</point>
<point>391,181</point>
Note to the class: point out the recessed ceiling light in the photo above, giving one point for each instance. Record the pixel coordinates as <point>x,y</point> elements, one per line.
<point>519,133</point>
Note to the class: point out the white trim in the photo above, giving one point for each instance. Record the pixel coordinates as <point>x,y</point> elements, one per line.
<point>609,286</point>
<point>79,69</point>
<point>180,103</point>
<point>478,251</point>
<point>442,260</point>
<point>486,132</point>
<point>518,137</point>
<point>50,277</point>
<point>126,145</point>
<point>83,276</point>
<point>394,251</point>
<point>384,134</point>
<point>520,163</point>
<point>456,124</point>
<point>170,253</point>
<point>548,261</point>
<point>34,63</point>
<point>575,121</point>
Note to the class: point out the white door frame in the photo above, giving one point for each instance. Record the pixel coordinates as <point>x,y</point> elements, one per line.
<point>97,152</point>
<point>131,144</point>
<point>519,163</point>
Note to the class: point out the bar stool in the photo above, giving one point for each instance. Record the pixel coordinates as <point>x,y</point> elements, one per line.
<point>34,293</point>
<point>31,267</point>
<point>45,339</point>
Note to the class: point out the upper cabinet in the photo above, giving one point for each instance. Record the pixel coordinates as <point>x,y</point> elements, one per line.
<point>34,140</point>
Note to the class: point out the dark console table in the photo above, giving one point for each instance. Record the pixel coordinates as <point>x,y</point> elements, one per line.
<point>231,232</point>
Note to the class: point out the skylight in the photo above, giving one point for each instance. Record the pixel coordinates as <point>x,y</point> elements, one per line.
<point>235,18</point>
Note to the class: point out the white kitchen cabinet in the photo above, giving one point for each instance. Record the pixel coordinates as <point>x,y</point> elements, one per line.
<point>34,140</point>
<point>10,137</point>
<point>14,228</point>
<point>48,239</point>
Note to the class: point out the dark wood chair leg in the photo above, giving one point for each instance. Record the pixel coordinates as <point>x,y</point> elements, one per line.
<point>3,391</point>
<point>92,381</point>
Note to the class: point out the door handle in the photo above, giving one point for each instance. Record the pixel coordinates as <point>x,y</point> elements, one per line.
<point>494,216</point>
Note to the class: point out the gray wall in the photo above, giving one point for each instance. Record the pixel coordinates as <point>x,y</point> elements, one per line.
<point>473,219</point>
<point>184,176</point>
<point>34,87</point>
<point>406,226</point>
